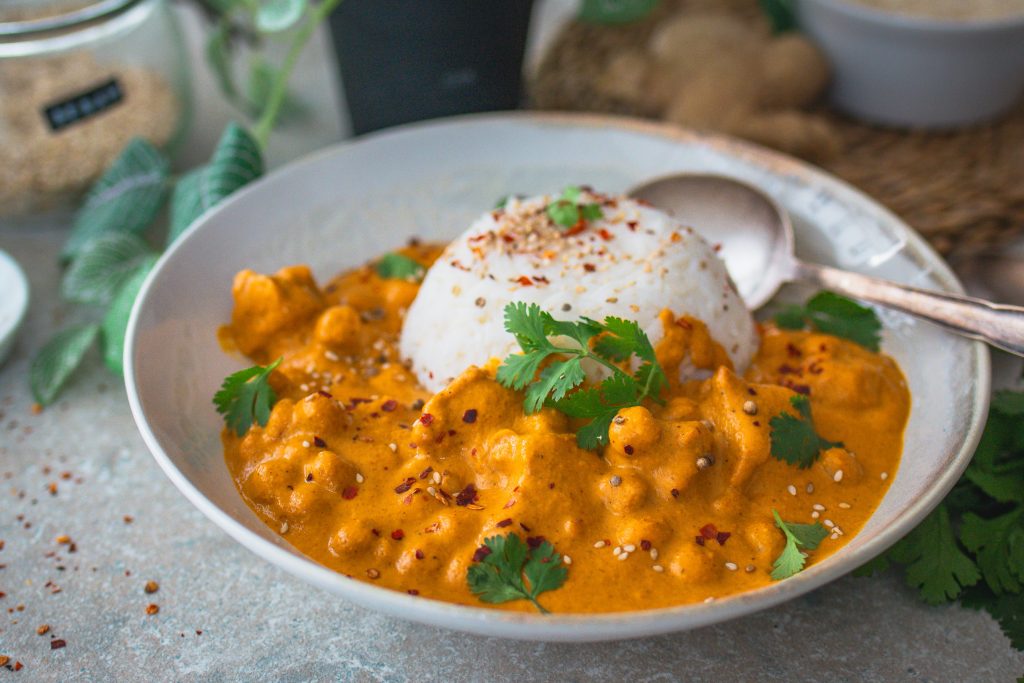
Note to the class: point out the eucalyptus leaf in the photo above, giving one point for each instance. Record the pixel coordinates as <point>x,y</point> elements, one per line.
<point>615,11</point>
<point>57,361</point>
<point>236,162</point>
<point>126,199</point>
<point>115,322</point>
<point>102,267</point>
<point>278,15</point>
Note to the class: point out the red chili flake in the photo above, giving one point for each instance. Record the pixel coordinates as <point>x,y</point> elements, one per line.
<point>631,225</point>
<point>469,417</point>
<point>786,369</point>
<point>576,229</point>
<point>466,496</point>
<point>397,534</point>
<point>757,423</point>
<point>815,368</point>
<point>793,351</point>
<point>324,393</point>
<point>405,485</point>
<point>798,388</point>
<point>709,531</point>
<point>425,473</point>
<point>481,552</point>
<point>151,587</point>
<point>152,608</point>
<point>309,477</point>
<point>534,541</point>
<point>319,443</point>
<point>541,280</point>
<point>605,235</point>
<point>524,527</point>
<point>419,554</point>
<point>700,540</point>
<point>389,405</point>
<point>589,267</point>
<point>350,493</point>
<point>722,537</point>
<point>412,591</point>
<point>628,449</point>
<point>508,239</point>
<point>504,523</point>
<point>717,247</point>
<point>353,402</point>
<point>58,644</point>
<point>439,438</point>
<point>375,532</point>
<point>750,390</point>
<point>684,323</point>
<point>645,545</point>
<point>675,493</point>
<point>426,418</point>
<point>524,281</point>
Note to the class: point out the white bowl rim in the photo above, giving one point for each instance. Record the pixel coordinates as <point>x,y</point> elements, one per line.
<point>925,24</point>
<point>15,300</point>
<point>577,627</point>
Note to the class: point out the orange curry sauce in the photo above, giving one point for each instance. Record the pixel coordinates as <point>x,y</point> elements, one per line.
<point>364,471</point>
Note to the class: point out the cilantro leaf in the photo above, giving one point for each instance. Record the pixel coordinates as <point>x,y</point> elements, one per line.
<point>567,210</point>
<point>836,315</point>
<point>558,385</point>
<point>246,396</point>
<point>998,545</point>
<point>1009,403</point>
<point>792,559</point>
<point>935,564</point>
<point>1008,610</point>
<point>395,266</point>
<point>499,576</point>
<point>794,439</point>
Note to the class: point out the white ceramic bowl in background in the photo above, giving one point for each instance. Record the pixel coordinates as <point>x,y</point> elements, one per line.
<point>345,205</point>
<point>917,72</point>
<point>13,302</point>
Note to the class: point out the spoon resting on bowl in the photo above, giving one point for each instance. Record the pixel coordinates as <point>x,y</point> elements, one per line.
<point>758,249</point>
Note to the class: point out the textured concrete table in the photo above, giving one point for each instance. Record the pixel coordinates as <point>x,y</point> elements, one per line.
<point>80,470</point>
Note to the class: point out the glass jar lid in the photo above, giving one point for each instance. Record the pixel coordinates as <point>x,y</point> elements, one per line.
<point>27,17</point>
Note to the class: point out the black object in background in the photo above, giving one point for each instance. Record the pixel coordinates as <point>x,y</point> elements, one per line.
<point>408,60</point>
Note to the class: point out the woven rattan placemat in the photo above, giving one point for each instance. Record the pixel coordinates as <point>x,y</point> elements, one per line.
<point>964,191</point>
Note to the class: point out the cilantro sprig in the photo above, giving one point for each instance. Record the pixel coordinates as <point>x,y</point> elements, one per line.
<point>794,439</point>
<point>798,536</point>
<point>514,571</point>
<point>610,343</point>
<point>395,266</point>
<point>836,315</point>
<point>567,210</point>
<point>971,547</point>
<point>246,396</point>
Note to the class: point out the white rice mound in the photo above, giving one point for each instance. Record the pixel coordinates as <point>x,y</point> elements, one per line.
<point>633,262</point>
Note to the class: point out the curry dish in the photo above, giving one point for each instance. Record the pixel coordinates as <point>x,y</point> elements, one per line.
<point>368,473</point>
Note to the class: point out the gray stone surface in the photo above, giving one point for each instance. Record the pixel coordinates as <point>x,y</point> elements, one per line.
<point>258,623</point>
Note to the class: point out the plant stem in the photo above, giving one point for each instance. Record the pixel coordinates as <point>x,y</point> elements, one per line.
<point>279,89</point>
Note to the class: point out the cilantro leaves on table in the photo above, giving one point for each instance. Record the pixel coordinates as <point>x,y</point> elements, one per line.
<point>971,547</point>
<point>558,385</point>
<point>792,559</point>
<point>568,212</point>
<point>512,570</point>
<point>836,315</point>
<point>395,266</point>
<point>794,439</point>
<point>246,396</point>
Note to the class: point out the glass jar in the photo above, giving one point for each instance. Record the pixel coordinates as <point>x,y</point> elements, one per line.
<point>78,80</point>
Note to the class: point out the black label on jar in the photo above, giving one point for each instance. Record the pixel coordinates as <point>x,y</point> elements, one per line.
<point>83,105</point>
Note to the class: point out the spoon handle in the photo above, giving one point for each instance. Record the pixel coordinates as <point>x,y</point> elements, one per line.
<point>1000,325</point>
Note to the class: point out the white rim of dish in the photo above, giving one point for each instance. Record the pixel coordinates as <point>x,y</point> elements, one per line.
<point>586,626</point>
<point>18,301</point>
<point>915,22</point>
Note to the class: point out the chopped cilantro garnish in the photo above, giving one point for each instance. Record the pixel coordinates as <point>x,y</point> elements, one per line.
<point>567,210</point>
<point>792,558</point>
<point>246,396</point>
<point>794,439</point>
<point>512,570</point>
<point>395,266</point>
<point>833,314</point>
<point>608,343</point>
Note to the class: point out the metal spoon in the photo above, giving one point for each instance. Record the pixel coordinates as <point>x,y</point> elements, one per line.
<point>757,245</point>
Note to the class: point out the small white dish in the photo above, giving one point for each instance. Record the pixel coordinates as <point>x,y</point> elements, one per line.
<point>917,72</point>
<point>339,208</point>
<point>13,302</point>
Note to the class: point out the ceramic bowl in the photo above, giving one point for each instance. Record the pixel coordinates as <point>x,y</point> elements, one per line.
<point>911,71</point>
<point>340,207</point>
<point>13,303</point>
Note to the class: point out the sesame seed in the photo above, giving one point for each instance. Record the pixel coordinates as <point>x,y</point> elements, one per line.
<point>304,387</point>
<point>658,568</point>
<point>360,478</point>
<point>393,447</point>
<point>431,490</point>
<point>838,476</point>
<point>819,507</point>
<point>750,408</point>
<point>616,480</point>
<point>623,556</point>
<point>749,569</point>
<point>654,553</point>
<point>791,489</point>
<point>284,527</point>
<point>331,355</point>
<point>731,566</point>
<point>436,477</point>
<point>845,506</point>
<point>305,444</point>
<point>566,559</point>
<point>815,514</point>
<point>600,544</point>
<point>616,550</point>
<point>810,488</point>
<point>704,462</point>
<point>629,548</point>
<point>885,475</point>
<point>829,523</point>
<point>373,573</point>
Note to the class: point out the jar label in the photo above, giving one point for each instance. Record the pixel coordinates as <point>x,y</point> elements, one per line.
<point>83,105</point>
